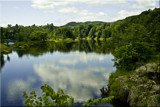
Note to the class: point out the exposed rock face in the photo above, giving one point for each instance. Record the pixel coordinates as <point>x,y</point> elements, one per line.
<point>142,88</point>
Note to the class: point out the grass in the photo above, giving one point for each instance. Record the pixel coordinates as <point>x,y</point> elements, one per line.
<point>116,85</point>
<point>118,73</point>
<point>4,49</point>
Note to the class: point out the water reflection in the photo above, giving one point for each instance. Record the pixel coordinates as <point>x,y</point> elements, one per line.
<point>82,82</point>
<point>8,58</point>
<point>3,61</point>
<point>65,47</point>
<point>16,87</point>
<point>81,69</point>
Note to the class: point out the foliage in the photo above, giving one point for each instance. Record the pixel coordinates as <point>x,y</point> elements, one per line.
<point>4,49</point>
<point>48,98</point>
<point>97,101</point>
<point>63,32</point>
<point>126,56</point>
<point>114,87</point>
<point>144,26</point>
<point>38,35</point>
<point>51,98</point>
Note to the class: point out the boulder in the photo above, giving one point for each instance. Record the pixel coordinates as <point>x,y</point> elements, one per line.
<point>151,68</point>
<point>155,88</point>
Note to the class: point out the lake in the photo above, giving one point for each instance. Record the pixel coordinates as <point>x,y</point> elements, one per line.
<point>81,69</point>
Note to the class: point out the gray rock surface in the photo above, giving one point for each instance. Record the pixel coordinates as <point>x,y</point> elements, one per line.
<point>142,88</point>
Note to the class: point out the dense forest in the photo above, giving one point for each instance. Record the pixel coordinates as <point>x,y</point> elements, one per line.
<point>134,38</point>
<point>144,25</point>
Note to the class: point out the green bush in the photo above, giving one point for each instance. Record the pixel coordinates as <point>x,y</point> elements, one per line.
<point>48,98</point>
<point>51,98</point>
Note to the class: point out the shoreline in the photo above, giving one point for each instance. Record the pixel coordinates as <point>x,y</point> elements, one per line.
<point>137,88</point>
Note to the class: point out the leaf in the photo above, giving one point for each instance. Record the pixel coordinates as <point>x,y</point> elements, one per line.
<point>31,97</point>
<point>57,99</point>
<point>32,92</point>
<point>35,95</point>
<point>103,100</point>
<point>25,94</point>
<point>40,98</point>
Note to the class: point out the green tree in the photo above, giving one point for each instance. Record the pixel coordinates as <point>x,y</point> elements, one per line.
<point>20,37</point>
<point>39,34</point>
<point>125,56</point>
<point>92,32</point>
<point>63,32</point>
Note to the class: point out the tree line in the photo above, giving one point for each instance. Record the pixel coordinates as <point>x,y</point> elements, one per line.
<point>134,38</point>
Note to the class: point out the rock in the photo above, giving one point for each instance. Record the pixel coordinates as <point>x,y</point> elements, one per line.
<point>132,96</point>
<point>152,82</point>
<point>148,68</point>
<point>142,69</point>
<point>158,70</point>
<point>140,88</point>
<point>158,74</point>
<point>153,101</point>
<point>135,78</point>
<point>123,92</point>
<point>156,88</point>
<point>151,68</point>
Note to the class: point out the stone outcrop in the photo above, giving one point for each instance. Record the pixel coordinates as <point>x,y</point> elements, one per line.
<point>142,88</point>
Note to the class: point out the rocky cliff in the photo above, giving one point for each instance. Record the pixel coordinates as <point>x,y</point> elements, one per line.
<point>140,88</point>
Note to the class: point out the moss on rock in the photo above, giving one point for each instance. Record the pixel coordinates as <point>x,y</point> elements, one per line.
<point>141,88</point>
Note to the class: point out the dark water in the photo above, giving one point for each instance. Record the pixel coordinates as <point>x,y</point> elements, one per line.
<point>81,69</point>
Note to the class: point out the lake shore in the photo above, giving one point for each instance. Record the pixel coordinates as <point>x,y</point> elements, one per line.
<point>137,88</point>
<point>5,49</point>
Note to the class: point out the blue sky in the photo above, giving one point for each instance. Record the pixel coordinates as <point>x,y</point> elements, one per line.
<point>60,12</point>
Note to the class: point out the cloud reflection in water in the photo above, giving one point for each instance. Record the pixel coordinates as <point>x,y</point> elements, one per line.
<point>16,87</point>
<point>81,83</point>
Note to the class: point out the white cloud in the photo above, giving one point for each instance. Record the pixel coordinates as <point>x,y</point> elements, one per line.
<point>142,4</point>
<point>102,2</point>
<point>80,14</point>
<point>45,4</point>
<point>3,25</point>
<point>135,8</point>
<point>123,13</point>
<point>85,15</point>
<point>68,10</point>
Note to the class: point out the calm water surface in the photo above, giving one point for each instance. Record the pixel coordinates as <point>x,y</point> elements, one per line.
<point>78,72</point>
